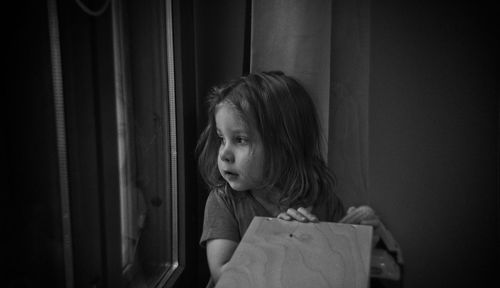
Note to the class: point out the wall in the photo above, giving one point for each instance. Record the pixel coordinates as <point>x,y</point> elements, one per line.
<point>433,139</point>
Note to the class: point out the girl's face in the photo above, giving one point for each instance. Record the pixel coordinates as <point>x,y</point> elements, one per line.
<point>241,152</point>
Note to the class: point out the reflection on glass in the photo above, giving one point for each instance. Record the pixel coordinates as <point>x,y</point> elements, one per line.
<point>145,189</point>
<point>146,141</point>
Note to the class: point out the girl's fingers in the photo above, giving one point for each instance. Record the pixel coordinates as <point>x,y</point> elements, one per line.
<point>372,222</point>
<point>302,215</point>
<point>352,218</point>
<point>375,223</point>
<point>356,215</point>
<point>284,216</point>
<point>296,215</point>
<point>306,212</point>
<point>366,211</point>
<point>348,218</point>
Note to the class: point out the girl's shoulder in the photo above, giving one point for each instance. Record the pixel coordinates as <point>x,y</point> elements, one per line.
<point>218,192</point>
<point>227,195</point>
<point>223,192</point>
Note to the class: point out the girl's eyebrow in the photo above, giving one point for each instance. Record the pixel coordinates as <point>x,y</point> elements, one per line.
<point>239,130</point>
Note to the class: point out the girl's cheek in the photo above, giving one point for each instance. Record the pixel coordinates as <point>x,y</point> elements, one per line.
<point>219,163</point>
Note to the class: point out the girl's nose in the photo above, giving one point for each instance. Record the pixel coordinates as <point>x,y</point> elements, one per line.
<point>226,154</point>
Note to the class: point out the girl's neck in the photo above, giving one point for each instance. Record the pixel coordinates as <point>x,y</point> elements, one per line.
<point>269,199</point>
<point>267,194</point>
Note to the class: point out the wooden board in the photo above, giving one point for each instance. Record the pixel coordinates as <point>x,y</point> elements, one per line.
<point>277,253</point>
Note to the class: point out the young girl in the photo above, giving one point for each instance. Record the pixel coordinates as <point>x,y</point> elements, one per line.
<point>261,155</point>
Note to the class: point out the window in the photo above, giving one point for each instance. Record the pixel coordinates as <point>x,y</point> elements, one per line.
<point>147,143</point>
<point>104,174</point>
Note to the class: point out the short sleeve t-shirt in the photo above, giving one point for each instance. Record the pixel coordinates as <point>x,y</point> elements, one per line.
<point>228,213</point>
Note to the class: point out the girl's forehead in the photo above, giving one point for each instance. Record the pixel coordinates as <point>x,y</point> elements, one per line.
<point>228,111</point>
<point>226,114</point>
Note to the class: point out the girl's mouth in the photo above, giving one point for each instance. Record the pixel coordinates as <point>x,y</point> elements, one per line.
<point>230,174</point>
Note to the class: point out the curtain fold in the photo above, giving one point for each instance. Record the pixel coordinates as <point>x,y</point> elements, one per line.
<point>325,45</point>
<point>349,104</point>
<point>294,37</point>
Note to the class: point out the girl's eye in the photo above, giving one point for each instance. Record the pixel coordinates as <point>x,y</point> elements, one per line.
<point>241,140</point>
<point>221,139</point>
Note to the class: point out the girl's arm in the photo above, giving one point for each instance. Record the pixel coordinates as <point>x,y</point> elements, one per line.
<point>219,252</point>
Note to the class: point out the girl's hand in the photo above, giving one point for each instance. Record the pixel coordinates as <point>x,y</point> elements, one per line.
<point>364,215</point>
<point>302,215</point>
<point>360,214</point>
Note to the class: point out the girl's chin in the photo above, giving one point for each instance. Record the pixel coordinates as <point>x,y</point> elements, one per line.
<point>238,187</point>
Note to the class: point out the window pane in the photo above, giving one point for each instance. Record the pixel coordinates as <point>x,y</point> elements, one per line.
<point>146,118</point>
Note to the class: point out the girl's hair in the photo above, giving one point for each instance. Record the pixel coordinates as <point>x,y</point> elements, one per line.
<point>283,113</point>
